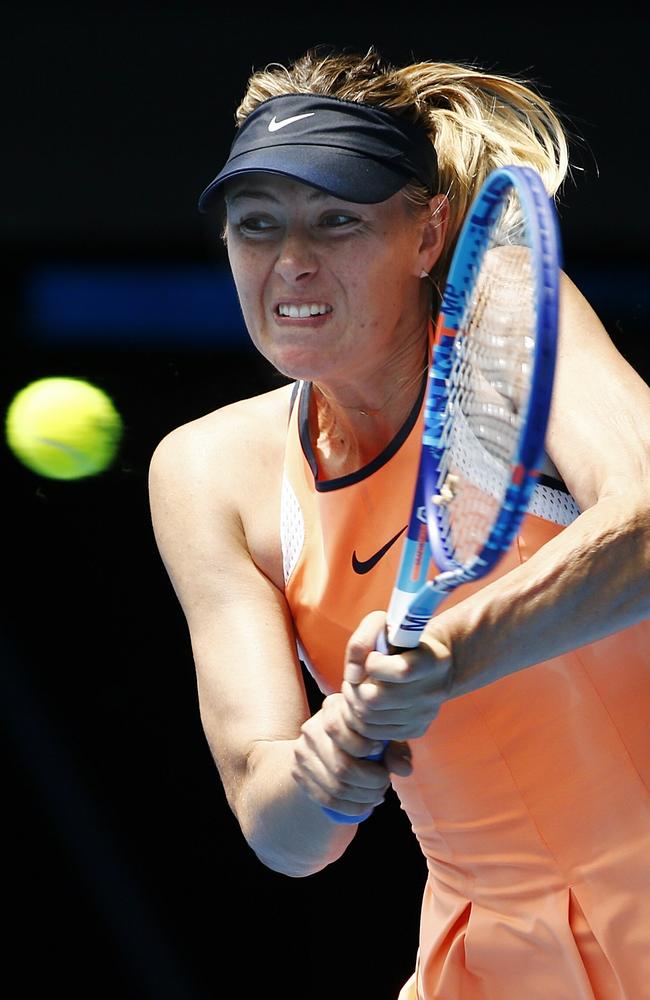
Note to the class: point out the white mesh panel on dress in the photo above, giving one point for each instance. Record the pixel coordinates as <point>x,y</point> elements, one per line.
<point>487,474</point>
<point>553,505</point>
<point>292,528</point>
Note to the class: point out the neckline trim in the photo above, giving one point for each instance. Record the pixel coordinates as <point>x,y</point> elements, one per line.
<point>329,485</point>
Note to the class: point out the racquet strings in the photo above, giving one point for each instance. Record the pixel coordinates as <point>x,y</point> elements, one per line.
<point>489,387</point>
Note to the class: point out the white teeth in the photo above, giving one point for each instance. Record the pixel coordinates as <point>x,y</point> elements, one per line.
<point>297,312</point>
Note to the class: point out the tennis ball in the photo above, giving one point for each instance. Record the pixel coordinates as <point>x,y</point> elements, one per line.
<point>63,428</point>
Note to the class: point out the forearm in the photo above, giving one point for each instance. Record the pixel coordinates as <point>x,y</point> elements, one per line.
<point>589,581</point>
<point>287,831</point>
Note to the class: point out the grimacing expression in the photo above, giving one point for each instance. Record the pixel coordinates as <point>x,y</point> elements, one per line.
<point>321,280</point>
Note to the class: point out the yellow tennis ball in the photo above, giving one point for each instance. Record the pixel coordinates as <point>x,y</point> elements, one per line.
<point>63,428</point>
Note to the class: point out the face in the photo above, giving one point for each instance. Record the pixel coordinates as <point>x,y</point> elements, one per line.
<point>326,286</point>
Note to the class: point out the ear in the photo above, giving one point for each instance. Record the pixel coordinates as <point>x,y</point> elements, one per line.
<point>434,233</point>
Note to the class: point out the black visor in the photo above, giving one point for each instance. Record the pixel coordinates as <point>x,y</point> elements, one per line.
<point>354,151</point>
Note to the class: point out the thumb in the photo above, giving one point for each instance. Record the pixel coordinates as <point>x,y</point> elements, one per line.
<point>362,642</point>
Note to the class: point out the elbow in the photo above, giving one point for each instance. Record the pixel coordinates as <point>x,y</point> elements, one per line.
<point>290,866</point>
<point>296,850</point>
<point>287,832</point>
<point>295,857</point>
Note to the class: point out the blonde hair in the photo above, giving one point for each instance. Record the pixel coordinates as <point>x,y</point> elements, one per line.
<point>476,120</point>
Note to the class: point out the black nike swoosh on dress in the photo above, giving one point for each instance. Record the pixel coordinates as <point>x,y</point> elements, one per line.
<point>365,565</point>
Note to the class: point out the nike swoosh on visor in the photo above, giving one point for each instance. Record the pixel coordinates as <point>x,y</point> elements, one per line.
<point>274,124</point>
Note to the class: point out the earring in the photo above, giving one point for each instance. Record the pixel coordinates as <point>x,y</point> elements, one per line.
<point>424,274</point>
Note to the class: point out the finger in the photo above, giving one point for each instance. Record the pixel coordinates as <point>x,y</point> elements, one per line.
<point>412,725</point>
<point>371,696</point>
<point>350,807</point>
<point>349,800</point>
<point>430,660</point>
<point>334,742</point>
<point>338,725</point>
<point>370,701</point>
<point>373,725</point>
<point>407,719</point>
<point>402,722</point>
<point>362,641</point>
<point>340,781</point>
<point>366,783</point>
<point>397,758</point>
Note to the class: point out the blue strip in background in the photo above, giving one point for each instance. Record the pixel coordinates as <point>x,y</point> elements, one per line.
<point>143,305</point>
<point>197,306</point>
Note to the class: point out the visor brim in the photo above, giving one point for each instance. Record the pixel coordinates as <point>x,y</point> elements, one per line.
<point>339,172</point>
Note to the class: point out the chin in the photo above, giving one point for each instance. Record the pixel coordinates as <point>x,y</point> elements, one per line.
<point>300,364</point>
<point>298,371</point>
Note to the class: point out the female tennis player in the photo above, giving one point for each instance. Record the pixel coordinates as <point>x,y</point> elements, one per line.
<point>519,738</point>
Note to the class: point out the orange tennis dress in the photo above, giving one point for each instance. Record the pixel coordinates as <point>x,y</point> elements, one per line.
<point>529,797</point>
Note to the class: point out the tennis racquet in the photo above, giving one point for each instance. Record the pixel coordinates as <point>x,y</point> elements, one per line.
<point>487,401</point>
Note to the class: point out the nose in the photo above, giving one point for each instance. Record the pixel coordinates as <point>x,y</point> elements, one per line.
<point>296,261</point>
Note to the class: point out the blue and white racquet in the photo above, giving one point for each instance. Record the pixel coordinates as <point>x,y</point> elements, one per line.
<point>487,402</point>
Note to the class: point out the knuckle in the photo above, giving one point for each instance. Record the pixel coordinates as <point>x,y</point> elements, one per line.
<point>369,692</point>
<point>407,666</point>
<point>340,771</point>
<point>333,706</point>
<point>362,726</point>
<point>331,727</point>
<point>305,741</point>
<point>356,649</point>
<point>327,705</point>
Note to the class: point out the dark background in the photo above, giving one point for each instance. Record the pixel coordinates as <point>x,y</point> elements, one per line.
<point>124,872</point>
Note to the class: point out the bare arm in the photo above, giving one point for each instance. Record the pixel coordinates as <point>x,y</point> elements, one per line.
<point>591,580</point>
<point>251,695</point>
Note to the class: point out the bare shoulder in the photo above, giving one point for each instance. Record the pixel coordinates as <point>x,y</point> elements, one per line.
<point>221,434</point>
<point>226,467</point>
